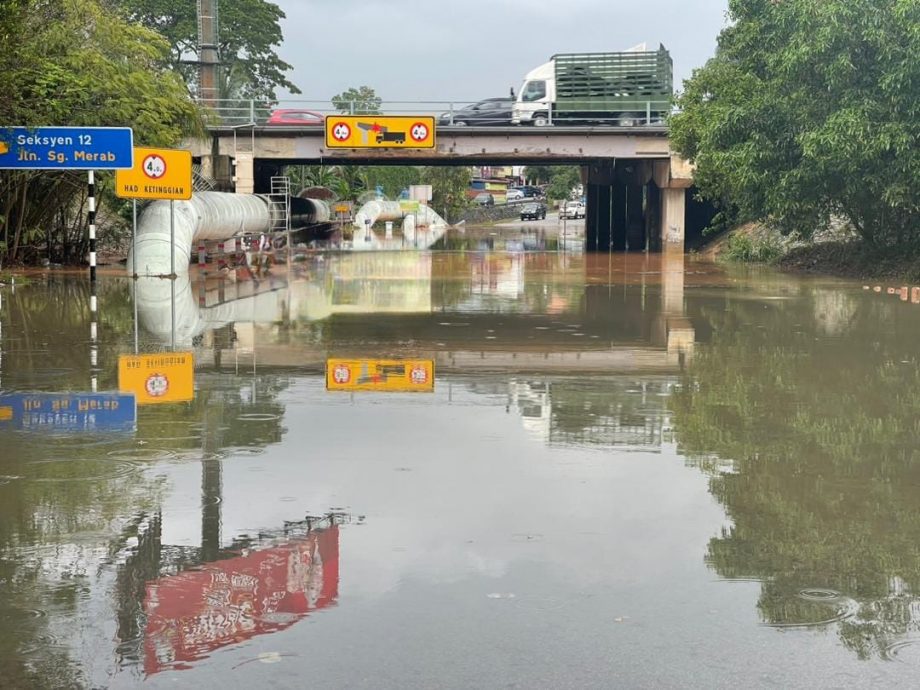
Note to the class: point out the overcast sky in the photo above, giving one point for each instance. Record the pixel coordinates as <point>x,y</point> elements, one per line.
<point>408,50</point>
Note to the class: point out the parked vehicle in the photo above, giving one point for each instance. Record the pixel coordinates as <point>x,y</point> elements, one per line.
<point>625,88</point>
<point>572,209</point>
<point>530,191</point>
<point>286,116</point>
<point>484,199</point>
<point>513,195</point>
<point>491,111</point>
<point>533,211</point>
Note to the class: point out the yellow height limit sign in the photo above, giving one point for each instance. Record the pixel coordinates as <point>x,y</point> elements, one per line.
<point>379,132</point>
<point>157,174</point>
<point>160,378</point>
<point>391,375</point>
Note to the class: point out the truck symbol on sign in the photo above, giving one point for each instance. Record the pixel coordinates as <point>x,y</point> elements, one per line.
<point>395,137</point>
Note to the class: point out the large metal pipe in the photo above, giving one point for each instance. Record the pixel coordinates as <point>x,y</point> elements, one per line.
<point>364,238</point>
<point>211,216</point>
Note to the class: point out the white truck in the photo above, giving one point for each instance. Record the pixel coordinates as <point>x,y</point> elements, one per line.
<point>625,88</point>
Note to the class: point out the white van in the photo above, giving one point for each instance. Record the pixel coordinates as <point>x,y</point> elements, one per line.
<point>572,209</point>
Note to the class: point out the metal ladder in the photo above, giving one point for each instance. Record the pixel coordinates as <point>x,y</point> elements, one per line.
<point>280,217</point>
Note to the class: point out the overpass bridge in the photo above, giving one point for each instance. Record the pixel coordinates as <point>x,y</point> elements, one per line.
<point>636,186</point>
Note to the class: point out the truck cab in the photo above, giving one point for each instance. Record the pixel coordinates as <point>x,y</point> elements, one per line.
<point>535,97</point>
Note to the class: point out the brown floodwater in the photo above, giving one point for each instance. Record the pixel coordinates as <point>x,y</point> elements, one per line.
<point>631,471</point>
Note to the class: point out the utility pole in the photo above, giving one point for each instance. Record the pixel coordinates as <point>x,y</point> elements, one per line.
<point>208,57</point>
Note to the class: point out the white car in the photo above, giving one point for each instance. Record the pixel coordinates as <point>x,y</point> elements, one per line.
<point>572,209</point>
<point>514,195</point>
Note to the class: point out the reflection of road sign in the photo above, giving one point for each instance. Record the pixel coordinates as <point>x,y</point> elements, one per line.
<point>388,375</point>
<point>161,378</point>
<point>341,131</point>
<point>66,148</point>
<point>68,411</point>
<point>157,174</point>
<point>419,131</point>
<point>379,131</point>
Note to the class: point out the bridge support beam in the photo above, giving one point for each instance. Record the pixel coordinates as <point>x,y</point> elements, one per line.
<point>244,174</point>
<point>636,238</point>
<point>219,169</point>
<point>673,219</point>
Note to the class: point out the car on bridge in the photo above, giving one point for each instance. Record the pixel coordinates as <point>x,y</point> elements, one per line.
<point>491,111</point>
<point>296,118</point>
<point>533,210</point>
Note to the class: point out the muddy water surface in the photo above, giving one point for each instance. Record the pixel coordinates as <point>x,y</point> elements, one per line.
<point>631,472</point>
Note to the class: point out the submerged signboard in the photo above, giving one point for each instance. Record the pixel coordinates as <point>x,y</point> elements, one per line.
<point>391,375</point>
<point>68,411</point>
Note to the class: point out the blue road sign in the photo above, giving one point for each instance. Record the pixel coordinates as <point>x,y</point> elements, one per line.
<point>66,148</point>
<point>68,411</point>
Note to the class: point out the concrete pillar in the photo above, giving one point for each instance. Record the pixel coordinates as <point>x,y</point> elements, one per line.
<point>652,217</point>
<point>635,217</point>
<point>618,216</point>
<point>244,175</point>
<point>218,169</point>
<point>673,218</point>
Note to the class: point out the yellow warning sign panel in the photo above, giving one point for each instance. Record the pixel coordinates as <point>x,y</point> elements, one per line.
<point>157,174</point>
<point>379,132</point>
<point>390,375</point>
<point>161,378</point>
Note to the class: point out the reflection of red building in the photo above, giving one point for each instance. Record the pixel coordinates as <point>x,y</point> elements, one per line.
<point>197,611</point>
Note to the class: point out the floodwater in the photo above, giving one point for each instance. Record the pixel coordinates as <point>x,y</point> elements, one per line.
<point>631,472</point>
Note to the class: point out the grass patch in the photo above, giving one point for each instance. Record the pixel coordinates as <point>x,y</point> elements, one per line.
<point>747,248</point>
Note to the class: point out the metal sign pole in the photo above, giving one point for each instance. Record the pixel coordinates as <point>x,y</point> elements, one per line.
<point>91,200</point>
<point>172,284</point>
<point>136,330</point>
<point>172,239</point>
<point>134,241</point>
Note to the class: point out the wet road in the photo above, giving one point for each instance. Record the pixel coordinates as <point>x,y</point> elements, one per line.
<point>631,472</point>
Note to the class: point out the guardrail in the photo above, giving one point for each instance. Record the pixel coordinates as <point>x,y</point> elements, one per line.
<point>240,113</point>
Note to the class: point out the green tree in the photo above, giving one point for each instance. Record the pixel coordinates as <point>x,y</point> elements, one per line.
<point>249,32</point>
<point>449,185</point>
<point>362,100</point>
<point>392,179</point>
<point>76,63</point>
<point>538,174</point>
<point>808,111</point>
<point>563,179</point>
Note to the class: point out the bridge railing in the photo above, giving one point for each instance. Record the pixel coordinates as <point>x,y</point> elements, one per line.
<point>240,113</point>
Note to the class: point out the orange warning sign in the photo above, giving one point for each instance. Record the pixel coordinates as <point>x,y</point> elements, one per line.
<point>159,378</point>
<point>390,375</point>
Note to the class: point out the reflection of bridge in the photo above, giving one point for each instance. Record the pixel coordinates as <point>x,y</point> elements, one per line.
<point>472,312</point>
<point>636,186</point>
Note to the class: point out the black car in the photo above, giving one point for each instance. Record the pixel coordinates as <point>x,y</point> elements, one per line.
<point>491,111</point>
<point>533,211</point>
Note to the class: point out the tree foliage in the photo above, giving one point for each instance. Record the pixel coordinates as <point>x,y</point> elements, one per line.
<point>362,100</point>
<point>808,111</point>
<point>249,32</point>
<point>76,64</point>
<point>563,179</point>
<point>448,189</point>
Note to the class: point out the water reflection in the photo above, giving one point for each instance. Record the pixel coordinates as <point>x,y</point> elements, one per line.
<point>273,583</point>
<point>550,463</point>
<point>803,414</point>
